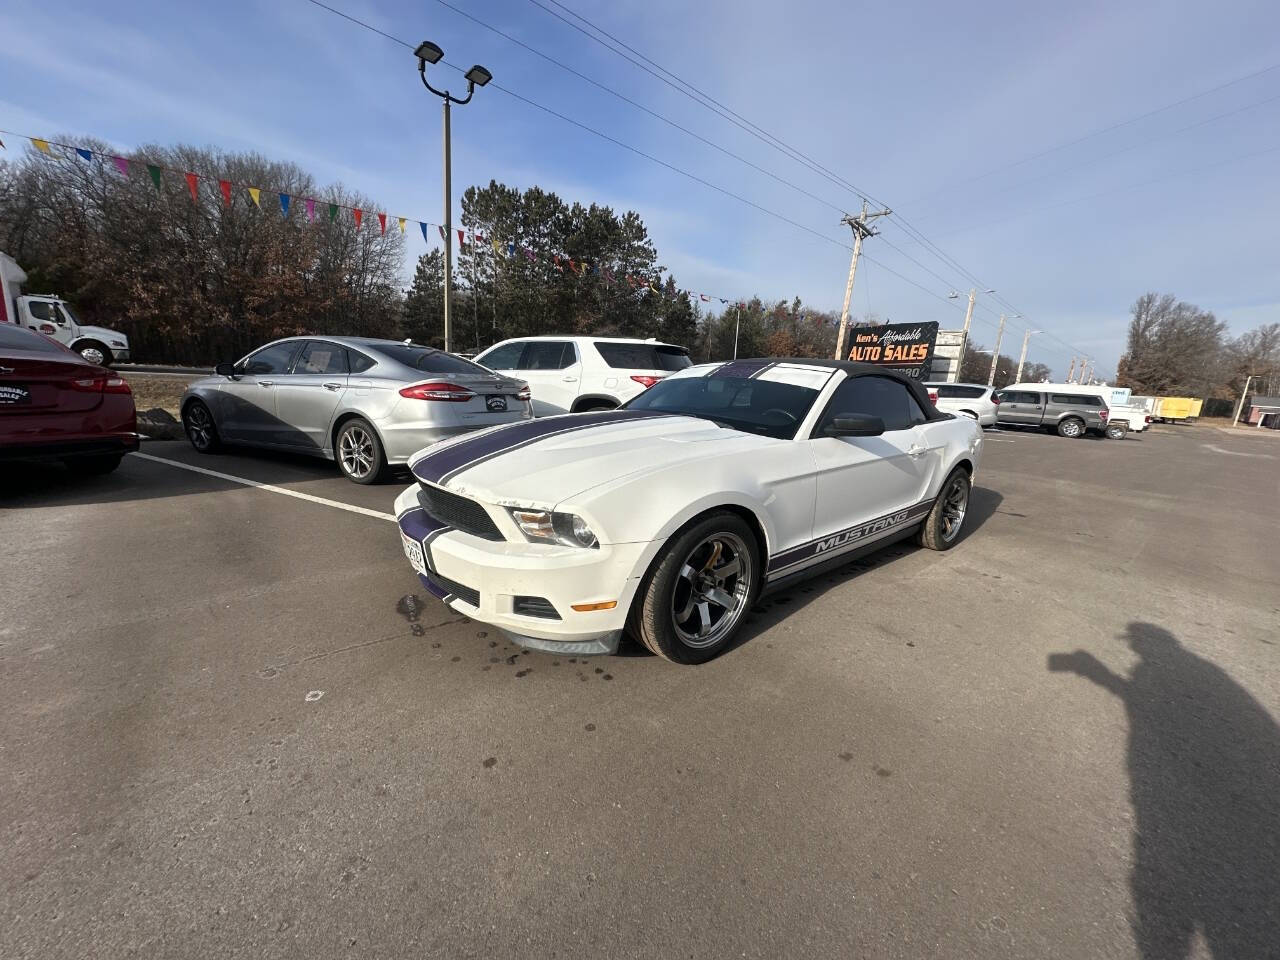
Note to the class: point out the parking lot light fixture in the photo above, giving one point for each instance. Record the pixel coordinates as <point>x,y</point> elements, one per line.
<point>429,53</point>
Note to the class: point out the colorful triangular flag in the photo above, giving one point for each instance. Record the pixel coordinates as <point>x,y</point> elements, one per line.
<point>443,238</point>
<point>255,195</point>
<point>311,209</point>
<point>358,214</point>
<point>122,165</point>
<point>84,154</point>
<point>193,183</point>
<point>424,231</point>
<point>41,145</point>
<point>333,212</point>
<point>462,240</point>
<point>382,223</point>
<point>400,220</point>
<point>155,174</point>
<point>284,204</point>
<point>225,187</point>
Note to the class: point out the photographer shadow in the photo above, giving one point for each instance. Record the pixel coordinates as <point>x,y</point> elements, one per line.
<point>1204,768</point>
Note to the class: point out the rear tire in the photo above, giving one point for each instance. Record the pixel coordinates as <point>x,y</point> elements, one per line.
<point>941,528</point>
<point>698,591</point>
<point>1115,431</point>
<point>197,422</point>
<point>1071,427</point>
<point>94,466</point>
<point>359,452</point>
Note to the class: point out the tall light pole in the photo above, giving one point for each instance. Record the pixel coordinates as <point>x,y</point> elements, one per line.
<point>1072,371</point>
<point>861,225</point>
<point>477,76</point>
<point>995,354</point>
<point>1026,338</point>
<point>964,336</point>
<point>1240,406</point>
<point>737,322</point>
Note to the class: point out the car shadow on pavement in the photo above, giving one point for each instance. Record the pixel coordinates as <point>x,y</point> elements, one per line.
<point>773,608</point>
<point>1204,772</point>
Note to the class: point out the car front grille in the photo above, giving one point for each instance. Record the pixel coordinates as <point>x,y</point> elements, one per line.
<point>458,512</point>
<point>459,590</point>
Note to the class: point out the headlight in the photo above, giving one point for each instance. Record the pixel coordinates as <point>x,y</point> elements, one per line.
<point>545,526</point>
<point>119,343</point>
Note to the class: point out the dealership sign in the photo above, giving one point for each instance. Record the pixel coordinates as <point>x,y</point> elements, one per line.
<point>905,347</point>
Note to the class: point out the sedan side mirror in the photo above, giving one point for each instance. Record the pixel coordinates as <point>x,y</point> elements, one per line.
<point>227,370</point>
<point>854,425</point>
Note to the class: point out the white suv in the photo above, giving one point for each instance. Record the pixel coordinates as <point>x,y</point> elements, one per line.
<point>974,400</point>
<point>575,374</point>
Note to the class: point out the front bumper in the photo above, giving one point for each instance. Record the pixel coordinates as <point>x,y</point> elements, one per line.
<point>485,579</point>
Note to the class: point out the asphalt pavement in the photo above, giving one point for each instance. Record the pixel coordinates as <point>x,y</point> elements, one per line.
<point>227,732</point>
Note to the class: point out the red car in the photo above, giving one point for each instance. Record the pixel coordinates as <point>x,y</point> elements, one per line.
<point>54,405</point>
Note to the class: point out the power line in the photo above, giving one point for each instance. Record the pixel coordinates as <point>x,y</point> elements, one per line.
<point>672,167</point>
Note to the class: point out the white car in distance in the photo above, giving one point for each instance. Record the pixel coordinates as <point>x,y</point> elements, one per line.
<point>976,401</point>
<point>581,374</point>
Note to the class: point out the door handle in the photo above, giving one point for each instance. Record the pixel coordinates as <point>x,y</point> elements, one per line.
<point>917,451</point>
<point>266,383</point>
<point>569,379</point>
<point>333,386</point>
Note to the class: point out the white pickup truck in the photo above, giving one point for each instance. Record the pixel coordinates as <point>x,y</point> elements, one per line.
<point>52,316</point>
<point>1125,418</point>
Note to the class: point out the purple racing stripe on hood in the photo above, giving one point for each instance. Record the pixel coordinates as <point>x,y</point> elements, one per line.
<point>438,467</point>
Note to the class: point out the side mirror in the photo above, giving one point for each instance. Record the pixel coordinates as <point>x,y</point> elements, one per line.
<point>227,370</point>
<point>854,425</point>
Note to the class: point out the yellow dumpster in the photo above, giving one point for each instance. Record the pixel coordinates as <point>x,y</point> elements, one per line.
<point>1170,409</point>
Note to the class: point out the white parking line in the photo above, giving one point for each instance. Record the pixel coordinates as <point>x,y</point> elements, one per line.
<point>271,488</point>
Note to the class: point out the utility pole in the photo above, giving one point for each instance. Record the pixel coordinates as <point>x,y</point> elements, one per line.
<point>448,227</point>
<point>737,322</point>
<point>1240,406</point>
<point>1071,372</point>
<point>964,336</point>
<point>995,354</point>
<point>861,228</point>
<point>1083,367</point>
<point>1026,338</point>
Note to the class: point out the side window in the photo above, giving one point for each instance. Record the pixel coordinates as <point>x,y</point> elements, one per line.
<point>358,361</point>
<point>43,310</point>
<point>913,410</point>
<point>1019,396</point>
<point>873,397</point>
<point>322,358</point>
<point>271,360</point>
<point>946,392</point>
<point>546,355</point>
<point>1076,400</point>
<point>505,357</point>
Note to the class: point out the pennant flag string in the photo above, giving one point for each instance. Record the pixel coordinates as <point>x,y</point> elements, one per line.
<point>579,268</point>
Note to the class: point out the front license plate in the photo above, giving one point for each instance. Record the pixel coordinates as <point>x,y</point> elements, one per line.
<point>413,550</point>
<point>495,403</point>
<point>11,395</point>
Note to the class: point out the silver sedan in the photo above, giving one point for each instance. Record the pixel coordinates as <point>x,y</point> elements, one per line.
<point>365,403</point>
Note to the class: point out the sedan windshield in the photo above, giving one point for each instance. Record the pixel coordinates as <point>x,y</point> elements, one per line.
<point>770,408</point>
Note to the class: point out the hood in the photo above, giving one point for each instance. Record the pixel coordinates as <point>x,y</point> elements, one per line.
<point>102,333</point>
<point>540,463</point>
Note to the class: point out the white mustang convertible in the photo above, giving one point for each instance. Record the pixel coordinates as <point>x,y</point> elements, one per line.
<point>668,517</point>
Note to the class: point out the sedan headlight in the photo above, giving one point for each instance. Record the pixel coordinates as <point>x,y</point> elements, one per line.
<point>547,526</point>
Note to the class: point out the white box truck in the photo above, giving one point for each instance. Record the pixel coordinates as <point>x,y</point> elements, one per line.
<point>53,317</point>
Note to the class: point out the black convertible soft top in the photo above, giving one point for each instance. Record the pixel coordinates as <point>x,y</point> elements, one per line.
<point>854,369</point>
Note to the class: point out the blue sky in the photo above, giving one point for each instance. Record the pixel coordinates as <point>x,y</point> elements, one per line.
<point>927,106</point>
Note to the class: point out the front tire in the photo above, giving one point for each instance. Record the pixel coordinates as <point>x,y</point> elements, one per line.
<point>94,352</point>
<point>359,452</point>
<point>1115,431</point>
<point>698,591</point>
<point>941,529</point>
<point>1071,427</point>
<point>197,421</point>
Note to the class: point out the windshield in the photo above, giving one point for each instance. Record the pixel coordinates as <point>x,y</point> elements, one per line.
<point>769,407</point>
<point>430,361</point>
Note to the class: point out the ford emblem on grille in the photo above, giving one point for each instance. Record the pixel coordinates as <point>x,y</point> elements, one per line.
<point>496,403</point>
